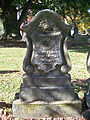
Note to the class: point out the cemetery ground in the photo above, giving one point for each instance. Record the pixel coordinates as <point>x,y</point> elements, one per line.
<point>12,53</point>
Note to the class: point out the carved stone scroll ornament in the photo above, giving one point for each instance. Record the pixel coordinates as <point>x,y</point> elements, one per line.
<point>46,44</point>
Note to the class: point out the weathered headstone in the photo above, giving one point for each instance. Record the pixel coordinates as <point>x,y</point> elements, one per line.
<point>88,93</point>
<point>86,113</point>
<point>46,90</point>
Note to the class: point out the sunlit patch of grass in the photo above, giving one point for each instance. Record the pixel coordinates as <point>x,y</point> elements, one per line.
<point>11,72</point>
<point>79,69</point>
<point>79,73</point>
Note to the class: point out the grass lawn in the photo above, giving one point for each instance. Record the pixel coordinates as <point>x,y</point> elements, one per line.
<point>11,71</point>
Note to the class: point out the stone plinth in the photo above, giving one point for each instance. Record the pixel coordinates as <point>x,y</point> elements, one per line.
<point>41,109</point>
<point>47,80</point>
<point>47,88</point>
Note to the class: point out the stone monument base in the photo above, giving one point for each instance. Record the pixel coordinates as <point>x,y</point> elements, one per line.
<point>40,109</point>
<point>47,88</point>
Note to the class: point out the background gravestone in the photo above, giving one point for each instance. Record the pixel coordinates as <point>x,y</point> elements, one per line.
<point>88,93</point>
<point>46,86</point>
<point>77,38</point>
<point>86,113</point>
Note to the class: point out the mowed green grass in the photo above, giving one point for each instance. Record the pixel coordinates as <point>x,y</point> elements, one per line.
<point>78,59</point>
<point>11,72</point>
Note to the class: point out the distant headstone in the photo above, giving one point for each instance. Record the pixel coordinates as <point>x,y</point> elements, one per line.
<point>86,113</point>
<point>88,30</point>
<point>77,38</point>
<point>46,67</point>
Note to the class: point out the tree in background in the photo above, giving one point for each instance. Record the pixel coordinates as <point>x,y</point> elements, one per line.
<point>9,10</point>
<point>76,12</point>
<point>73,11</point>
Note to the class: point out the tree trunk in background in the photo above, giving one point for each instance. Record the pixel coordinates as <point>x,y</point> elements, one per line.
<point>75,30</point>
<point>9,17</point>
<point>10,23</point>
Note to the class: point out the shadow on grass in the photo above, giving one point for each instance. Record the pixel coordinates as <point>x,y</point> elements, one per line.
<point>5,105</point>
<point>82,47</point>
<point>12,43</point>
<point>80,50</point>
<point>8,71</point>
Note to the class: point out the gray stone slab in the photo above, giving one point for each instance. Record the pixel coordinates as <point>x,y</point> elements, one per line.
<point>89,86</point>
<point>41,109</point>
<point>47,81</point>
<point>29,94</point>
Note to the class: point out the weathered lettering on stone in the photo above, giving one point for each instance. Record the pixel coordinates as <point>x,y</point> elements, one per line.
<point>46,53</point>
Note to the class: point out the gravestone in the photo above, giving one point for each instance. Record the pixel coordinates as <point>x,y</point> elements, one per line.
<point>86,113</point>
<point>46,90</point>
<point>88,93</point>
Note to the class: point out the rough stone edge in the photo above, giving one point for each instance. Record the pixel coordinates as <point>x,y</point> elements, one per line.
<point>43,102</point>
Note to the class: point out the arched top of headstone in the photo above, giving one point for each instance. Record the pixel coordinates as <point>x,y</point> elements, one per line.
<point>46,43</point>
<point>46,21</point>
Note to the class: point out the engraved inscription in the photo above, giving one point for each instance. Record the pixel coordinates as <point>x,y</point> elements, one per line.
<point>46,51</point>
